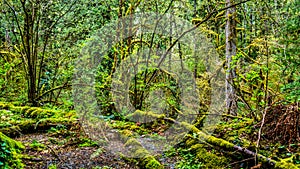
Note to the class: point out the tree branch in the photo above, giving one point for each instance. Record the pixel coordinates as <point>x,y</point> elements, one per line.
<point>190,30</point>
<point>53,89</point>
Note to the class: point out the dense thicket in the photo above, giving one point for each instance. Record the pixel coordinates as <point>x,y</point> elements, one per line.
<point>257,41</point>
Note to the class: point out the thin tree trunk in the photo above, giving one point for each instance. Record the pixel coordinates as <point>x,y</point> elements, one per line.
<point>230,31</point>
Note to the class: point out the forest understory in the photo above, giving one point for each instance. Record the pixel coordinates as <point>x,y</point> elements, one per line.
<point>55,139</point>
<point>175,84</point>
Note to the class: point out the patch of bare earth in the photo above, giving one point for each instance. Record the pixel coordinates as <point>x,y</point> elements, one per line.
<point>66,154</point>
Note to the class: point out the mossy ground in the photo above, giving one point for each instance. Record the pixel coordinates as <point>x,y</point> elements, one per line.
<point>197,149</point>
<point>10,152</point>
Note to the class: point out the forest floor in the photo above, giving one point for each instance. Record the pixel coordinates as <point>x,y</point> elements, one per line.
<point>44,150</point>
<point>71,149</point>
<point>53,149</point>
<point>55,139</point>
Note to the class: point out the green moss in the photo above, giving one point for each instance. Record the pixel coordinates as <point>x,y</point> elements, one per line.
<point>12,143</point>
<point>9,152</point>
<point>35,112</point>
<point>286,164</point>
<point>189,142</point>
<point>20,109</point>
<point>141,152</point>
<point>130,127</point>
<point>196,147</point>
<point>209,159</point>
<point>85,142</point>
<point>37,146</point>
<point>237,131</point>
<point>26,124</point>
<point>153,163</point>
<point>144,116</point>
<point>125,135</point>
<point>6,106</point>
<point>132,142</point>
<point>146,160</point>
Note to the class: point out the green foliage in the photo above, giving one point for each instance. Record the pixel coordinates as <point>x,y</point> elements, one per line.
<point>190,161</point>
<point>85,142</point>
<point>52,166</point>
<point>16,119</point>
<point>9,153</point>
<point>37,146</point>
<point>197,157</point>
<point>292,90</point>
<point>57,128</point>
<point>267,67</point>
<point>289,54</point>
<point>5,154</point>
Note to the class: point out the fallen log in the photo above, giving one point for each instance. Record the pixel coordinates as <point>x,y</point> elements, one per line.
<point>32,119</point>
<point>29,127</point>
<point>282,163</point>
<point>146,160</point>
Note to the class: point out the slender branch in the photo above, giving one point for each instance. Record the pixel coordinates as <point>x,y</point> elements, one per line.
<point>151,44</point>
<point>18,23</point>
<point>53,89</point>
<point>47,38</point>
<point>247,159</point>
<point>190,30</point>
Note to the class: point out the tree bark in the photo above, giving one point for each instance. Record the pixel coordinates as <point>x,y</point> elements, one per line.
<point>230,33</point>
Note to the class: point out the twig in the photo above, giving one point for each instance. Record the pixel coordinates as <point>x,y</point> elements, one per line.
<point>261,126</point>
<point>247,159</point>
<point>54,153</point>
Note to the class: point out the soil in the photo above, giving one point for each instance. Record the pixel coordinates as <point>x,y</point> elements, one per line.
<point>66,154</point>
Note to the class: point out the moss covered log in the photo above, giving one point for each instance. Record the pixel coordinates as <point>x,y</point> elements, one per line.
<point>17,120</point>
<point>281,163</point>
<point>35,112</point>
<point>146,160</point>
<point>27,127</point>
<point>138,152</point>
<point>144,116</point>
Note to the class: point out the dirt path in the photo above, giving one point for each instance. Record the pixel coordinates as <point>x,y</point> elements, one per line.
<point>46,149</point>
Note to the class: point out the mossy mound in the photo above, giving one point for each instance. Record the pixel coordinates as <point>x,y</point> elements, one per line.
<point>9,153</point>
<point>209,159</point>
<point>237,131</point>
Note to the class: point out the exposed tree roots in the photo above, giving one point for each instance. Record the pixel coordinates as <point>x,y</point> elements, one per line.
<point>282,124</point>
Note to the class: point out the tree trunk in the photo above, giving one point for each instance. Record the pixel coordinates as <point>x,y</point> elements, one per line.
<point>230,31</point>
<point>28,37</point>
